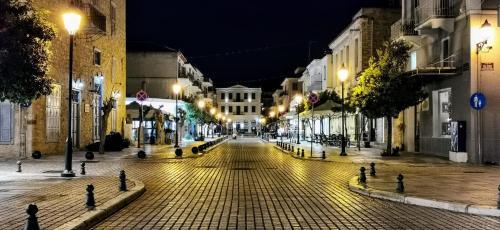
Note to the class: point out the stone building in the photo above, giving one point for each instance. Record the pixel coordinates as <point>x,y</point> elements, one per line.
<point>242,105</point>
<point>98,73</point>
<point>353,48</point>
<point>458,57</point>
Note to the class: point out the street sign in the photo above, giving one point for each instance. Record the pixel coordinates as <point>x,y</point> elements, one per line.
<point>478,101</point>
<point>141,95</point>
<point>313,98</point>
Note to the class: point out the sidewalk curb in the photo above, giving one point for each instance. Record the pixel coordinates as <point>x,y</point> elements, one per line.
<point>362,189</point>
<point>214,146</point>
<point>93,217</point>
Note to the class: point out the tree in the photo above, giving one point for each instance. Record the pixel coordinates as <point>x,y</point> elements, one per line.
<point>384,90</point>
<point>25,38</point>
<point>107,107</point>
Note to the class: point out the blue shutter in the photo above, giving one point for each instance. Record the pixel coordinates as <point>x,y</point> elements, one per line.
<point>5,122</point>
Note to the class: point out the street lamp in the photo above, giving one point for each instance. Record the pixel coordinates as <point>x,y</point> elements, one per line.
<point>298,98</point>
<point>486,32</point>
<point>71,23</point>
<point>272,114</point>
<point>212,112</point>
<point>343,73</point>
<point>177,89</point>
<point>201,104</point>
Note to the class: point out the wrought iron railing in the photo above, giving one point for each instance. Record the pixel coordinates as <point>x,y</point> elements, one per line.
<point>403,28</point>
<point>429,9</point>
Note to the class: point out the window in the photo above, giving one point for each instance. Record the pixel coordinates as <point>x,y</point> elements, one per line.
<point>356,55</point>
<point>245,109</point>
<point>230,109</point>
<point>223,109</point>
<point>253,109</point>
<point>295,86</point>
<point>441,112</point>
<point>245,96</point>
<point>445,52</point>
<point>238,110</point>
<point>230,96</point>
<point>53,114</point>
<point>97,57</point>
<point>112,15</point>
<point>347,57</point>
<point>413,60</point>
<point>6,123</point>
<point>223,96</point>
<point>253,96</point>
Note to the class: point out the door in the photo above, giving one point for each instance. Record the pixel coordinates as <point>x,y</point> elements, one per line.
<point>96,117</point>
<point>75,119</point>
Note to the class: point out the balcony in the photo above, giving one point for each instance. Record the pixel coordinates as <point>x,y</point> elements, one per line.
<point>442,68</point>
<point>403,29</point>
<point>436,14</point>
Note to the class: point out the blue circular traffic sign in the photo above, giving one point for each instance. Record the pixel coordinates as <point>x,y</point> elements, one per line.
<point>478,101</point>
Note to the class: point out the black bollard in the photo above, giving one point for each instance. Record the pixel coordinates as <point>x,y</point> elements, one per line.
<point>298,151</point>
<point>323,155</point>
<point>362,175</point>
<point>82,168</point>
<point>90,196</point>
<point>32,220</point>
<point>178,152</point>
<point>293,150</point>
<point>123,183</point>
<point>302,155</point>
<point>400,188</point>
<point>141,154</point>
<point>19,163</point>
<point>372,169</point>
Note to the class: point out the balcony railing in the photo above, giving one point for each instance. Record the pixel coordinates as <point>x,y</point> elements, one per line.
<point>403,28</point>
<point>430,9</point>
<point>446,66</point>
<point>96,21</point>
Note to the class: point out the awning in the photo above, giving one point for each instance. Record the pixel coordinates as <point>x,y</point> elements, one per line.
<point>326,108</point>
<point>134,110</point>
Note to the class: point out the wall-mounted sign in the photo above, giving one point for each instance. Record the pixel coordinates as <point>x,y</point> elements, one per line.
<point>487,66</point>
<point>478,101</point>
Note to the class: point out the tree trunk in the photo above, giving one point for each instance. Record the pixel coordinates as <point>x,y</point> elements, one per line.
<point>104,130</point>
<point>389,135</point>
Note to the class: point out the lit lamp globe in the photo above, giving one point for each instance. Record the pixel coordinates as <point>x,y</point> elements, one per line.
<point>176,88</point>
<point>272,113</point>
<point>343,73</point>
<point>281,108</point>
<point>72,22</point>
<point>486,31</point>
<point>212,111</point>
<point>201,104</point>
<point>219,116</point>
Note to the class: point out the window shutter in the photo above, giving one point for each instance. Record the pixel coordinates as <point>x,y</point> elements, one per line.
<point>5,122</point>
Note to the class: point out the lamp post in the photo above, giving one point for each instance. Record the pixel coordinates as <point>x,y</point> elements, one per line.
<point>71,23</point>
<point>212,112</point>
<point>281,109</point>
<point>201,106</point>
<point>486,32</point>
<point>342,77</point>
<point>298,99</point>
<point>177,90</point>
<point>219,116</point>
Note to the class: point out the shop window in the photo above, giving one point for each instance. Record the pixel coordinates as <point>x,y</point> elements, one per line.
<point>441,112</point>
<point>6,123</point>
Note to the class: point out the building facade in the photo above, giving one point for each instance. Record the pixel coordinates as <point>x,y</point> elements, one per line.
<point>458,58</point>
<point>352,49</point>
<point>243,106</point>
<point>98,74</point>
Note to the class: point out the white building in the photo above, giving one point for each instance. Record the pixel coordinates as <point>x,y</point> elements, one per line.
<point>242,105</point>
<point>318,75</point>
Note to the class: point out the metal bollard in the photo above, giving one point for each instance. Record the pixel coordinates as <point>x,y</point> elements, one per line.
<point>302,155</point>
<point>32,220</point>
<point>82,168</point>
<point>400,188</point>
<point>19,163</point>
<point>323,155</point>
<point>362,175</point>
<point>90,196</point>
<point>372,169</point>
<point>298,151</point>
<point>293,150</point>
<point>123,183</point>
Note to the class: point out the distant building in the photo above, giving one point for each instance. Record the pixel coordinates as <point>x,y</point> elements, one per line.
<point>242,105</point>
<point>317,76</point>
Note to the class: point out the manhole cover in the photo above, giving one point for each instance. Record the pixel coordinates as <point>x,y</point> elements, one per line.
<point>206,166</point>
<point>241,168</point>
<point>53,171</point>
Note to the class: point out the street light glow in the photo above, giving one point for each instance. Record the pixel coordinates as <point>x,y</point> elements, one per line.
<point>343,73</point>
<point>298,98</point>
<point>281,108</point>
<point>201,104</point>
<point>272,113</point>
<point>212,111</point>
<point>72,22</point>
<point>176,88</point>
<point>486,32</point>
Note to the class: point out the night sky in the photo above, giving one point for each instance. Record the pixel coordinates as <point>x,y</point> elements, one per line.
<point>254,43</point>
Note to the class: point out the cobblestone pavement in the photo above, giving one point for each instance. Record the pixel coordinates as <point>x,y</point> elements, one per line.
<point>248,184</point>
